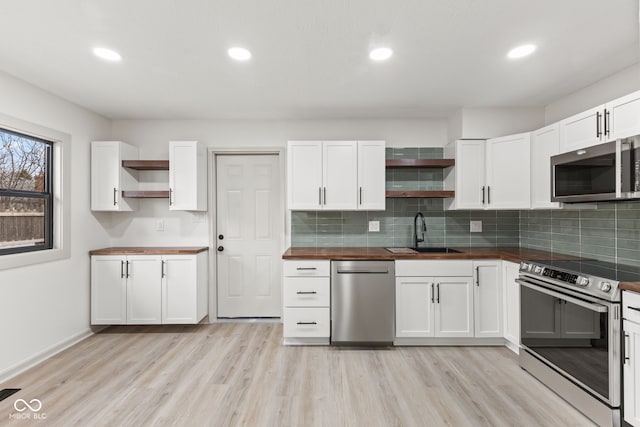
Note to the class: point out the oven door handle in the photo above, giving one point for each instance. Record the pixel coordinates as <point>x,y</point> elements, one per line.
<point>593,307</point>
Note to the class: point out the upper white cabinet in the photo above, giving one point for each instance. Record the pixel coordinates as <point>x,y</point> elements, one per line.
<point>545,143</point>
<point>616,119</point>
<point>491,174</point>
<point>336,175</point>
<point>187,176</point>
<point>109,178</point>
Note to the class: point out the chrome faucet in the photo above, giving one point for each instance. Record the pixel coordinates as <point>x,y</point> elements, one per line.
<point>423,228</point>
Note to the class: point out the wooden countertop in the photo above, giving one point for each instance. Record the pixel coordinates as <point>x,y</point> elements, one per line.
<point>630,286</point>
<point>516,255</point>
<point>150,250</point>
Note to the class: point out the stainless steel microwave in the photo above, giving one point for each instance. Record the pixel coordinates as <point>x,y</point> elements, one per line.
<point>609,171</point>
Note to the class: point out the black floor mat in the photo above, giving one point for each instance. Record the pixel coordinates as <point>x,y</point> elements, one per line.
<point>6,392</point>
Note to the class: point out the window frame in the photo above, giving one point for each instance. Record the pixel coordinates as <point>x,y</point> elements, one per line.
<point>60,189</point>
<point>46,195</point>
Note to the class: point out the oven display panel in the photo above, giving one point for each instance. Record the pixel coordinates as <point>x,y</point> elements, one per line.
<point>560,275</point>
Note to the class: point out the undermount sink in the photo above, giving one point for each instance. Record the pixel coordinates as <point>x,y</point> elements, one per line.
<point>437,250</point>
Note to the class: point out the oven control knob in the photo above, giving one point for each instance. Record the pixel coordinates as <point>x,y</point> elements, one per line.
<point>582,281</point>
<point>525,266</point>
<point>605,286</point>
<point>538,269</point>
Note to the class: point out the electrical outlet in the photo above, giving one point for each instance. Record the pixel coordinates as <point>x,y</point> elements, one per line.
<point>475,226</point>
<point>160,225</point>
<point>374,226</point>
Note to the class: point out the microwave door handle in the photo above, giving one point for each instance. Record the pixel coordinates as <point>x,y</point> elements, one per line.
<point>593,307</point>
<point>619,176</point>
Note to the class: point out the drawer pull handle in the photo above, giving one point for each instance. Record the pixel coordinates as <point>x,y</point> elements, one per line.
<point>633,308</point>
<point>306,292</point>
<point>307,323</point>
<point>306,268</point>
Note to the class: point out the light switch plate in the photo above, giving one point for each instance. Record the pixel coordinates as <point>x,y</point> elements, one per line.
<point>475,226</point>
<point>160,225</point>
<point>374,226</point>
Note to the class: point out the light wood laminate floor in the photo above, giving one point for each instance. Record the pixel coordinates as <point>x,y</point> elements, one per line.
<point>239,374</point>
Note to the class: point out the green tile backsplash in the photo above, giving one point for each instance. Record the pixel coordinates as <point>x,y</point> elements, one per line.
<point>611,232</point>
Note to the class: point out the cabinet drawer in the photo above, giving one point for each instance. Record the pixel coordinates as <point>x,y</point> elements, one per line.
<point>306,291</point>
<point>306,322</point>
<point>307,268</point>
<point>417,268</point>
<point>631,301</point>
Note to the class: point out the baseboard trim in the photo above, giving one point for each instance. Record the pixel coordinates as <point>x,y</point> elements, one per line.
<point>449,342</point>
<point>47,353</point>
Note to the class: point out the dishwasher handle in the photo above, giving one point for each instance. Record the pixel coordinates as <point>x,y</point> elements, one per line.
<point>367,271</point>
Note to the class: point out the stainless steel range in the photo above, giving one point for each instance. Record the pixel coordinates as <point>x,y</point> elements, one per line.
<point>570,332</point>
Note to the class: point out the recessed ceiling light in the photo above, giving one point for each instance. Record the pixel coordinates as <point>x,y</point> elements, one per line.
<point>380,54</point>
<point>239,53</point>
<point>107,54</point>
<point>521,51</point>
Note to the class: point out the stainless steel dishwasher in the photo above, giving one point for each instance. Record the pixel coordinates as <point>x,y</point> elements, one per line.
<point>362,302</point>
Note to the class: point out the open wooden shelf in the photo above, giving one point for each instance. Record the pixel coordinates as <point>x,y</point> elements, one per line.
<point>437,194</point>
<point>420,163</point>
<point>146,165</point>
<point>146,194</point>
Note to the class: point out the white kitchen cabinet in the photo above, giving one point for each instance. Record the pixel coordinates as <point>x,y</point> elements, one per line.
<point>414,307</point>
<point>511,304</point>
<point>109,178</point>
<point>108,290</point>
<point>184,288</point>
<point>371,175</point>
<point>487,298</point>
<point>545,143</point>
<point>306,295</point>
<point>148,289</point>
<point>336,175</point>
<point>508,176</point>
<point>618,118</point>
<point>339,175</point>
<point>631,372</point>
<point>187,176</point>
<point>454,307</point>
<point>491,174</point>
<point>467,177</point>
<point>144,290</point>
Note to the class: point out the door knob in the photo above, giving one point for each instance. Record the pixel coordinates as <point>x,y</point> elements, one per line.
<point>220,248</point>
<point>220,236</point>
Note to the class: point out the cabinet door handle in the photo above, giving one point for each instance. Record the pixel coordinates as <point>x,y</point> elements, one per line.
<point>606,122</point>
<point>320,196</point>
<point>115,196</point>
<point>438,289</point>
<point>477,275</point>
<point>122,269</point>
<point>307,323</point>
<point>626,347</point>
<point>170,197</point>
<point>483,194</point>
<point>360,195</point>
<point>633,308</point>
<point>306,268</point>
<point>306,292</point>
<point>488,194</point>
<point>325,195</point>
<point>598,132</point>
<point>128,275</point>
<point>432,293</point>
<point>162,274</point>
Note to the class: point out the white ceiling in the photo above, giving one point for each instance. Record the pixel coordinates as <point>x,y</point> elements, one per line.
<point>310,57</point>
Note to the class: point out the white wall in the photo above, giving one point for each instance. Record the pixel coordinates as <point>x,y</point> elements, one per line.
<point>481,123</point>
<point>46,305</point>
<point>185,228</point>
<point>607,89</point>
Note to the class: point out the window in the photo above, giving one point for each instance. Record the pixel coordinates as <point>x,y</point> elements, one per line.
<point>26,193</point>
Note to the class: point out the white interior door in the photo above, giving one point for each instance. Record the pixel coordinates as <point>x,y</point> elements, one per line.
<point>249,221</point>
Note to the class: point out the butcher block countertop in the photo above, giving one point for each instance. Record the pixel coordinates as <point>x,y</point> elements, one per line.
<point>150,250</point>
<point>353,254</point>
<point>630,286</point>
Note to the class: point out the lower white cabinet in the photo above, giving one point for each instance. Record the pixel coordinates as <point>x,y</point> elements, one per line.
<point>148,289</point>
<point>631,357</point>
<point>487,298</point>
<point>306,297</point>
<point>440,305</point>
<point>511,312</point>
